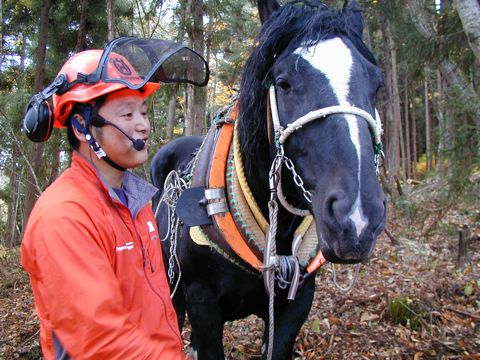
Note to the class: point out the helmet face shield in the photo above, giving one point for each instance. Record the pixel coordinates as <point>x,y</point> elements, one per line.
<point>134,62</point>
<point>125,62</point>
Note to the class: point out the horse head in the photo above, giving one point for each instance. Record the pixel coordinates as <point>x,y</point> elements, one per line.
<point>324,80</point>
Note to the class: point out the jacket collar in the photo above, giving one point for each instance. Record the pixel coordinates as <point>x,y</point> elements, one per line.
<point>138,191</point>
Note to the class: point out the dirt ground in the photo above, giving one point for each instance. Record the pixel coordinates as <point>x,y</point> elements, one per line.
<point>411,300</point>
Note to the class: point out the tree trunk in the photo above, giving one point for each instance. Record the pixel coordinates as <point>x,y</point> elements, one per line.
<point>1,33</point>
<point>442,133</point>
<point>197,95</point>
<point>428,123</point>
<point>12,235</point>
<point>172,103</point>
<point>393,106</point>
<point>450,136</point>
<point>463,243</point>
<point>82,31</point>
<point>455,78</point>
<point>36,152</point>
<point>402,151</point>
<point>186,115</point>
<point>213,108</point>
<point>189,113</point>
<point>110,17</point>
<point>468,96</point>
<point>469,13</point>
<point>408,156</point>
<point>414,139</point>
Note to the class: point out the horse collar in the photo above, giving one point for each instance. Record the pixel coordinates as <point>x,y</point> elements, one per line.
<point>236,215</point>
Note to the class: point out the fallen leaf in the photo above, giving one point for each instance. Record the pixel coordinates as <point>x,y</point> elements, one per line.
<point>366,317</point>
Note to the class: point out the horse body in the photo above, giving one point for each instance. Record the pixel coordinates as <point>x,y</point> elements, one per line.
<point>315,59</point>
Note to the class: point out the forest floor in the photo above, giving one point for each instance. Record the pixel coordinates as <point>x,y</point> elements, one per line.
<point>411,300</point>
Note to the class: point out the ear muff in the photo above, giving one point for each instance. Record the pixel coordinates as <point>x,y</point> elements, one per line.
<point>38,118</point>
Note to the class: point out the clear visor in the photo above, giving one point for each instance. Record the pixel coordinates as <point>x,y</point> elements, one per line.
<point>134,62</point>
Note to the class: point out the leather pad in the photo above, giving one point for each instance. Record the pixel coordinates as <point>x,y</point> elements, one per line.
<point>191,207</point>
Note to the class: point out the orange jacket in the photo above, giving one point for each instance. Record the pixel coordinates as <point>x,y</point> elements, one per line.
<point>97,271</point>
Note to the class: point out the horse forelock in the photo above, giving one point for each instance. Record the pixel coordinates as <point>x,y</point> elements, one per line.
<point>296,24</point>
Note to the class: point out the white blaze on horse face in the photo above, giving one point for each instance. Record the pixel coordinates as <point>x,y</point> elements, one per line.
<point>334,59</point>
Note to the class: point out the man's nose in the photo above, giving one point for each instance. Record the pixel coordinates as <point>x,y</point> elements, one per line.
<point>142,124</point>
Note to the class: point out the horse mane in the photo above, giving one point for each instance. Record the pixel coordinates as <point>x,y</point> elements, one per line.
<point>298,23</point>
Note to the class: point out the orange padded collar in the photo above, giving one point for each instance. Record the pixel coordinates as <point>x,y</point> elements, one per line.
<point>225,221</point>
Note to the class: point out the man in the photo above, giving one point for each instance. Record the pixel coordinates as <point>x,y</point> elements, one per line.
<point>91,245</point>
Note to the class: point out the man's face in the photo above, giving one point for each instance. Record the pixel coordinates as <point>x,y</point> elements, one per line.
<point>126,109</point>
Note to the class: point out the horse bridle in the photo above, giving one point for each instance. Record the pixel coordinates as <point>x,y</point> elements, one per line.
<point>281,134</point>
<point>271,260</point>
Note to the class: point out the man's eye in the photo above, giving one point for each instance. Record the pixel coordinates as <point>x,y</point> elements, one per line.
<point>127,115</point>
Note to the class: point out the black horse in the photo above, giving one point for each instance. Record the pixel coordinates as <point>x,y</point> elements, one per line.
<point>323,78</point>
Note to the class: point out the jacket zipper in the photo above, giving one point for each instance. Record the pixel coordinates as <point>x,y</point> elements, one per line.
<point>175,329</point>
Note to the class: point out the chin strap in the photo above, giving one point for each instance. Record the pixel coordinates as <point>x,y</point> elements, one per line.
<point>94,145</point>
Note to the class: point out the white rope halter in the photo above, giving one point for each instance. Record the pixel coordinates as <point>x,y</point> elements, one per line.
<point>281,134</point>
<point>375,124</point>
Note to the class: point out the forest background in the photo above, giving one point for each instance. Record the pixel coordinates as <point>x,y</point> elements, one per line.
<point>429,52</point>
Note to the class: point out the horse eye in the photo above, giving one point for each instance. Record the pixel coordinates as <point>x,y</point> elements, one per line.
<point>283,84</point>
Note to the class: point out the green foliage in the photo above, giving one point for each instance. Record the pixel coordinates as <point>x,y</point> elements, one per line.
<point>468,289</point>
<point>230,32</point>
<point>406,207</point>
<point>408,311</point>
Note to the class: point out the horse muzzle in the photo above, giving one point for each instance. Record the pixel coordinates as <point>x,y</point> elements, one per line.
<point>348,234</point>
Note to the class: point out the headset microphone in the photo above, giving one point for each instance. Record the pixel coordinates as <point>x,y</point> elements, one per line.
<point>99,121</point>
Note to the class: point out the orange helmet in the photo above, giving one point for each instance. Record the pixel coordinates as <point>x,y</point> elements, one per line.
<point>86,62</point>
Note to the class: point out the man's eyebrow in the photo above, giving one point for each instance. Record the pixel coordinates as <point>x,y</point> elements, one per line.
<point>130,103</point>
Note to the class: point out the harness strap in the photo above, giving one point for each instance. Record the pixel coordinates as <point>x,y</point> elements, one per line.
<point>219,173</point>
<point>225,221</point>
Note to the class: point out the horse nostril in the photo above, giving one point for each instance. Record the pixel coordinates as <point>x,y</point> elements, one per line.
<point>333,210</point>
<point>329,206</point>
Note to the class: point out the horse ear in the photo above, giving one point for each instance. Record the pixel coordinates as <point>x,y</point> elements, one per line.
<point>355,16</point>
<point>266,8</point>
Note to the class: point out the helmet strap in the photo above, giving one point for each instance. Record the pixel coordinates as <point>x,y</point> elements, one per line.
<point>94,145</point>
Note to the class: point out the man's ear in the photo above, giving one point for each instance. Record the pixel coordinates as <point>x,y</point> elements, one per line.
<point>78,127</point>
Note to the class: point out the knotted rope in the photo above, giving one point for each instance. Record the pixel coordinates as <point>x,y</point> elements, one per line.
<point>270,258</point>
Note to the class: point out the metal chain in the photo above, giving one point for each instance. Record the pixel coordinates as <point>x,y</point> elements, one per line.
<point>173,243</point>
<point>171,262</point>
<point>297,179</point>
<point>172,189</point>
